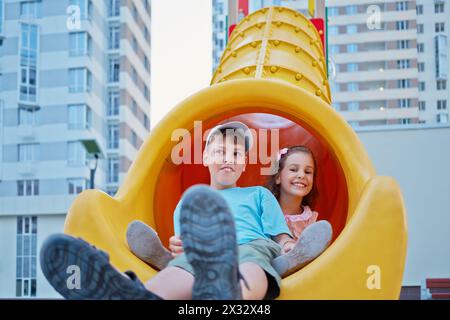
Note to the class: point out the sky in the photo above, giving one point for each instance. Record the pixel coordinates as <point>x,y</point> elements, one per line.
<point>181,57</point>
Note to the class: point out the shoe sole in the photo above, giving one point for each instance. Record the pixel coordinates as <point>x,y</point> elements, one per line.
<point>312,242</point>
<point>144,242</point>
<point>63,258</point>
<point>209,241</point>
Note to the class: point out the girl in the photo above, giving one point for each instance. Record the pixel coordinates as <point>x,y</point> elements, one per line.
<point>293,186</point>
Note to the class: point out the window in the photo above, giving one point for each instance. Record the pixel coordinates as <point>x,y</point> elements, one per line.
<point>403,64</point>
<point>28,62</point>
<point>146,64</point>
<point>420,28</point>
<point>79,80</point>
<point>442,118</point>
<point>76,153</point>
<point>350,10</point>
<point>403,44</point>
<point>333,30</point>
<point>405,121</point>
<point>113,8</point>
<point>439,7</point>
<point>85,7</point>
<point>79,43</point>
<point>27,188</point>
<point>134,106</point>
<point>353,106</point>
<point>337,106</point>
<point>420,47</point>
<point>30,10</point>
<point>146,93</point>
<point>134,44</point>
<point>2,18</point>
<point>76,186</point>
<point>28,152</point>
<point>27,116</point>
<point>114,37</point>
<point>441,63</point>
<point>113,103</point>
<point>146,34</point>
<point>402,6</point>
<point>352,48</point>
<point>114,70</point>
<point>441,85</point>
<point>419,9</point>
<point>134,12</point>
<point>353,86</point>
<point>26,256</point>
<point>80,116</point>
<point>113,170</point>
<point>439,27</point>
<point>352,29</point>
<point>352,67</point>
<point>146,122</point>
<point>134,75</point>
<point>333,11</point>
<point>422,86</point>
<point>421,66</point>
<point>113,136</point>
<point>422,105</point>
<point>111,191</point>
<point>134,140</point>
<point>404,103</point>
<point>441,104</point>
<point>334,49</point>
<point>402,25</point>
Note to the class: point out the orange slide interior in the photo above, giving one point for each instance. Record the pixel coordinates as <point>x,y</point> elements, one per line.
<point>331,201</point>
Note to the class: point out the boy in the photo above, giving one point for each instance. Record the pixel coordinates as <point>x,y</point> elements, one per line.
<point>228,245</point>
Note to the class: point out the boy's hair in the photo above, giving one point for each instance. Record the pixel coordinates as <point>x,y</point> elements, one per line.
<point>275,188</point>
<point>238,130</point>
<point>237,134</point>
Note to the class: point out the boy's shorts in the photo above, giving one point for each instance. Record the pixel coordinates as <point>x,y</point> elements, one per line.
<point>260,251</point>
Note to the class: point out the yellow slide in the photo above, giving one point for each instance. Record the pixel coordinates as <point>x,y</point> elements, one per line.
<point>272,75</point>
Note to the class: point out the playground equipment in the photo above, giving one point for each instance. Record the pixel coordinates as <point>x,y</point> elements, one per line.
<point>272,75</point>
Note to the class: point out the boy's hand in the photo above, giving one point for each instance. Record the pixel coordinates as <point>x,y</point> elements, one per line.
<point>175,246</point>
<point>288,245</point>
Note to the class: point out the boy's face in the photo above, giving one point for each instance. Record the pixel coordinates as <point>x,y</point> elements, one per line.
<point>225,159</point>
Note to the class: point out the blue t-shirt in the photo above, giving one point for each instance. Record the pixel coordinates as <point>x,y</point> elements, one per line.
<point>257,214</point>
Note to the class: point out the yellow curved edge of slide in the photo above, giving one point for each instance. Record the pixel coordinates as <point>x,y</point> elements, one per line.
<point>367,260</point>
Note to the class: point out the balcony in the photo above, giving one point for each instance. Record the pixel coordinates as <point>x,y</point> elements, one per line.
<point>27,168</point>
<point>26,132</point>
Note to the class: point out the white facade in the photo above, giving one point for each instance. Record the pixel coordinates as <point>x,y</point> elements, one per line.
<point>66,74</point>
<point>433,17</point>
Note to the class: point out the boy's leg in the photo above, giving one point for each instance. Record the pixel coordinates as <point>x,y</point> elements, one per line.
<point>146,245</point>
<point>209,240</point>
<point>77,270</point>
<point>256,284</point>
<point>172,283</point>
<point>310,244</point>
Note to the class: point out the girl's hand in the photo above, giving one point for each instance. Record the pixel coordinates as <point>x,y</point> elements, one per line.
<point>288,245</point>
<point>175,246</point>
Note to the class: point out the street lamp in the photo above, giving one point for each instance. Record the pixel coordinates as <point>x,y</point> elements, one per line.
<point>93,149</point>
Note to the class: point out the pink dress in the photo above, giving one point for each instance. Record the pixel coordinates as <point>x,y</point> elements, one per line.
<point>298,222</point>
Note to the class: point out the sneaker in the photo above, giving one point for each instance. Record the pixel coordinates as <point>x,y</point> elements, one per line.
<point>146,245</point>
<point>314,239</point>
<point>62,256</point>
<point>209,241</point>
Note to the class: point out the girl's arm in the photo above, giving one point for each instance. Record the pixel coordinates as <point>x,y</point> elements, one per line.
<point>285,241</point>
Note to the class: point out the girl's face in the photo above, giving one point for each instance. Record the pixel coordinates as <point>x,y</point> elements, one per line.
<point>297,176</point>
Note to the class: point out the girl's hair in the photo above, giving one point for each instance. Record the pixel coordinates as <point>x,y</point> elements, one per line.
<point>275,188</point>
